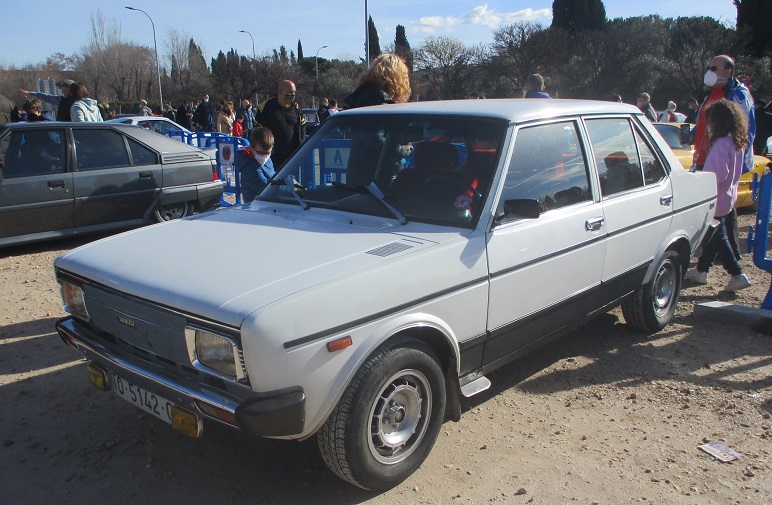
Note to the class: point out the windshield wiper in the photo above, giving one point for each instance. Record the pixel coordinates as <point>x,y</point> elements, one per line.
<point>374,190</point>
<point>291,183</point>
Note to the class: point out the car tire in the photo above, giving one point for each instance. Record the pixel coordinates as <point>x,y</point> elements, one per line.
<point>171,212</point>
<point>389,417</point>
<point>653,305</point>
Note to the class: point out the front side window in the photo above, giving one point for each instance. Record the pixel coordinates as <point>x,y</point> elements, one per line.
<point>548,165</point>
<point>435,169</point>
<point>33,152</point>
<point>99,149</point>
<point>616,155</point>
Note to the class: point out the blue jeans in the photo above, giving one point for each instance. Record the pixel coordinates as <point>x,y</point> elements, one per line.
<point>719,247</point>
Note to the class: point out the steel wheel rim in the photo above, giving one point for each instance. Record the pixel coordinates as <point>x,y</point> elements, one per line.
<point>399,416</point>
<point>664,287</point>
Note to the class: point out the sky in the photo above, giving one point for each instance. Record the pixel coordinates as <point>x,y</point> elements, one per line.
<point>337,24</point>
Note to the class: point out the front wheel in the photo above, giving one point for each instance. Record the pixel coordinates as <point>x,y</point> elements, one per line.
<point>653,305</point>
<point>388,418</point>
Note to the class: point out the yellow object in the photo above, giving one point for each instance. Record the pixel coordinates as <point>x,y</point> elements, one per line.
<point>186,422</point>
<point>98,378</point>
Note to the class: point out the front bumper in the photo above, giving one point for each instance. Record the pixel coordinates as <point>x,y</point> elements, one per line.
<point>278,413</point>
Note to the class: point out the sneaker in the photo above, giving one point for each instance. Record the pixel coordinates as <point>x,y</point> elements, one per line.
<point>738,282</point>
<point>696,276</point>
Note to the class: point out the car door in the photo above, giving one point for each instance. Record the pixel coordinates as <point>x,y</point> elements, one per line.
<point>545,271</point>
<point>116,178</point>
<point>636,198</point>
<point>36,189</point>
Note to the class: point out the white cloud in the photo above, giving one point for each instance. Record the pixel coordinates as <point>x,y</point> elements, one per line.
<point>482,15</point>
<point>528,15</point>
<point>433,24</point>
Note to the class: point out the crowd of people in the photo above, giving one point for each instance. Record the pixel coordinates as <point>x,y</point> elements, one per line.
<point>727,128</point>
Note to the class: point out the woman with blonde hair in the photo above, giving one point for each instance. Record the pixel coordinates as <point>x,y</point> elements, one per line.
<point>386,81</point>
<point>728,140</point>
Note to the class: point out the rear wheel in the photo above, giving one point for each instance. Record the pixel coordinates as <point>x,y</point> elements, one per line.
<point>171,211</point>
<point>388,418</point>
<point>653,305</point>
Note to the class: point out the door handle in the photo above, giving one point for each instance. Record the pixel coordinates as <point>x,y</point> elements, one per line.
<point>56,184</point>
<point>146,175</point>
<point>593,224</point>
<point>666,200</point>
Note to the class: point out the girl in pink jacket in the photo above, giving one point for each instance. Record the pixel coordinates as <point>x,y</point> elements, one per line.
<point>728,140</point>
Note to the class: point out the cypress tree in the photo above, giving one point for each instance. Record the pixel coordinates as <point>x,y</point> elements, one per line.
<point>577,16</point>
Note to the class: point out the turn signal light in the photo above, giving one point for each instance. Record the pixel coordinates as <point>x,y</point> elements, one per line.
<point>186,422</point>
<point>339,345</point>
<point>98,378</point>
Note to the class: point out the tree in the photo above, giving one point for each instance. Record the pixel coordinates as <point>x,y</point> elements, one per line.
<point>694,41</point>
<point>234,74</point>
<point>448,66</point>
<point>576,16</point>
<point>521,49</point>
<point>754,17</point>
<point>402,47</point>
<point>300,51</point>
<point>372,37</point>
<point>627,59</point>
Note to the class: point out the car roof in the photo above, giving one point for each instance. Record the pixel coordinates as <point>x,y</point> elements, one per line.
<point>515,110</point>
<point>123,119</point>
<point>155,140</point>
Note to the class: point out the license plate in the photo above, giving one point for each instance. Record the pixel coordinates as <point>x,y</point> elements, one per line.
<point>149,402</point>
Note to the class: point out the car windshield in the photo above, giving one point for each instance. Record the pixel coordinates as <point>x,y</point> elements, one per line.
<point>671,134</point>
<point>430,169</point>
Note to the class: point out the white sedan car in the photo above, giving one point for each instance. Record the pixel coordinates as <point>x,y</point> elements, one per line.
<point>157,124</point>
<point>403,253</point>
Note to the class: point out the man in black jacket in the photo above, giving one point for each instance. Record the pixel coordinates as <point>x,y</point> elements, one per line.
<point>282,115</point>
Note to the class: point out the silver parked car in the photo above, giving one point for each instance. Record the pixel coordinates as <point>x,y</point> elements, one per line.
<point>403,253</point>
<point>59,179</point>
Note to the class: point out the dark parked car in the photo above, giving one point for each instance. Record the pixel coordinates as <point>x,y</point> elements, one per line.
<point>58,179</point>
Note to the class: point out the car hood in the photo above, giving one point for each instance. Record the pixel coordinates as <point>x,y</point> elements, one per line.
<point>223,265</point>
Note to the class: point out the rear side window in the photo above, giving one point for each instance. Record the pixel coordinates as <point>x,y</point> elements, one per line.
<point>548,165</point>
<point>33,152</point>
<point>141,155</point>
<point>99,149</point>
<point>616,155</point>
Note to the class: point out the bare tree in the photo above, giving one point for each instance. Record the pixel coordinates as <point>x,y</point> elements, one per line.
<point>447,65</point>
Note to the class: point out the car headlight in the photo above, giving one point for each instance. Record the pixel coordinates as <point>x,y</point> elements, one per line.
<point>214,351</point>
<point>74,300</point>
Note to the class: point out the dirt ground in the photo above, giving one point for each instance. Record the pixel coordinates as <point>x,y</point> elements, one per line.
<point>604,415</point>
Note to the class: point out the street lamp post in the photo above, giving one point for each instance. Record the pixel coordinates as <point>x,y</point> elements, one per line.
<point>316,65</point>
<point>254,56</point>
<point>157,63</point>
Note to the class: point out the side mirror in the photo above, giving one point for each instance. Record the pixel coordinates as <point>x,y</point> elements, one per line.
<point>523,208</point>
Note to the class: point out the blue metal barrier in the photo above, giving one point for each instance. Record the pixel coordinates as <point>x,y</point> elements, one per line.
<point>226,146</point>
<point>758,236</point>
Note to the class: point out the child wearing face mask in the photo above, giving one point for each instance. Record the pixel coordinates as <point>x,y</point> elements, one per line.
<point>254,163</point>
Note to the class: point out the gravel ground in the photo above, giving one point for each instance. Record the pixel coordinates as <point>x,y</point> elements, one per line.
<point>604,415</point>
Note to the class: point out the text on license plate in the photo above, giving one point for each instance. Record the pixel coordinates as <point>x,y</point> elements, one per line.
<point>144,399</point>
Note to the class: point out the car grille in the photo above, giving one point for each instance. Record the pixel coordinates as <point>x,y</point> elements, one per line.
<point>144,332</point>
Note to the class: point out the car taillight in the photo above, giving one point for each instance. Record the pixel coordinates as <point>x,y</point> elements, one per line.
<point>215,172</point>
